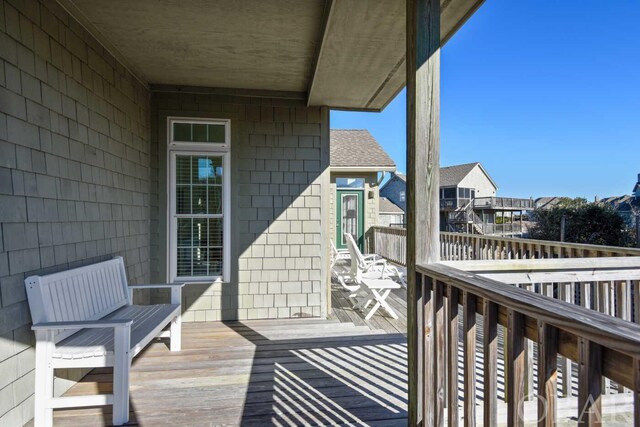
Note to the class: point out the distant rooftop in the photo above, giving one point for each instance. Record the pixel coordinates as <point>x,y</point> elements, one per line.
<point>357,148</point>
<point>452,175</point>
<point>387,206</point>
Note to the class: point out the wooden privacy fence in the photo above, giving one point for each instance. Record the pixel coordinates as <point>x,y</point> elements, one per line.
<point>603,347</point>
<point>390,242</point>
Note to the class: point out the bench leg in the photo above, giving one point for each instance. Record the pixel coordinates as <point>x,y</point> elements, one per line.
<point>121,368</point>
<point>43,416</point>
<point>175,340</point>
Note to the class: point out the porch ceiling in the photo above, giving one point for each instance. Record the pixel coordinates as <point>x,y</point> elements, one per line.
<point>338,53</point>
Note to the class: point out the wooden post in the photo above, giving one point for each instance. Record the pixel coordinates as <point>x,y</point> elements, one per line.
<point>423,157</point>
<point>563,225</point>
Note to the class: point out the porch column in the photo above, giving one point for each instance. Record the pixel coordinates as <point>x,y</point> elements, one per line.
<point>423,159</point>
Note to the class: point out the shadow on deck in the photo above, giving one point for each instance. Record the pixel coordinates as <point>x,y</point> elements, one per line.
<point>266,372</point>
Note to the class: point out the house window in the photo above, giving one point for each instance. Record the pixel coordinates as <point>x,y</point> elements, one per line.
<point>403,196</point>
<point>199,200</point>
<point>350,182</point>
<point>449,192</point>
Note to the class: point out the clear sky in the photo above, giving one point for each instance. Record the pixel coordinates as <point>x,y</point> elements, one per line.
<point>544,93</point>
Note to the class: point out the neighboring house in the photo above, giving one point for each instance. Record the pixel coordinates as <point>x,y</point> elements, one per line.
<point>357,165</point>
<point>468,201</point>
<point>390,214</point>
<point>628,206</point>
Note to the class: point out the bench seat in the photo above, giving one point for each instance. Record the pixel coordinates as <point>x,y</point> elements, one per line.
<point>148,321</point>
<point>85,318</point>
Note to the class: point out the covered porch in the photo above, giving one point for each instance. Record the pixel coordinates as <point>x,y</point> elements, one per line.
<point>113,97</point>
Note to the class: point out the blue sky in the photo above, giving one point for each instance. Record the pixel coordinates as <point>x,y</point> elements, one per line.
<point>545,94</point>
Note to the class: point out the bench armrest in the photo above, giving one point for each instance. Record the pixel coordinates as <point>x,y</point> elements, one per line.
<point>156,285</point>
<point>77,324</point>
<point>176,290</point>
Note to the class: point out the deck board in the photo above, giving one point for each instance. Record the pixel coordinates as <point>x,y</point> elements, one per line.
<point>256,373</point>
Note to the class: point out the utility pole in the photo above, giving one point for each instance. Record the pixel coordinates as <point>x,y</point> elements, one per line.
<point>563,225</point>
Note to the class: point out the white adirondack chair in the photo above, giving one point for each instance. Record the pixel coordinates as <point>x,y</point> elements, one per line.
<point>375,281</point>
<point>338,254</point>
<point>371,266</point>
<point>84,318</point>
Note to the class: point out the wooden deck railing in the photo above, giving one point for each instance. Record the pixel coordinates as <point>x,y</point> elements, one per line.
<point>390,243</point>
<point>461,247</point>
<point>604,347</point>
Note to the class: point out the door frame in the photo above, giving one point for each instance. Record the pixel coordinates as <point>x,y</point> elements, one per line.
<point>340,193</point>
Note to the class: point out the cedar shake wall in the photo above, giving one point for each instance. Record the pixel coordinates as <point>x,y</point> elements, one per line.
<point>74,173</point>
<point>279,161</point>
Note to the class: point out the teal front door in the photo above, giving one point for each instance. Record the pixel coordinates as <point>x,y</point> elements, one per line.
<point>349,217</point>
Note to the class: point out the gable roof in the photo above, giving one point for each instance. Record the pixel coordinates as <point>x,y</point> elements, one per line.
<point>387,206</point>
<point>357,148</point>
<point>453,175</point>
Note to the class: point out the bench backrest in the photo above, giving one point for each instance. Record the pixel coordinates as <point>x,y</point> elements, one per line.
<point>85,293</point>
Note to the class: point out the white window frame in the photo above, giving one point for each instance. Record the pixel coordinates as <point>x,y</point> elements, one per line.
<point>199,149</point>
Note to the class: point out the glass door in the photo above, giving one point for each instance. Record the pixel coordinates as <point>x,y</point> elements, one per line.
<point>350,217</point>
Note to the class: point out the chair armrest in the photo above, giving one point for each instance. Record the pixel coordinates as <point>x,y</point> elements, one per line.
<point>176,290</point>
<point>78,324</point>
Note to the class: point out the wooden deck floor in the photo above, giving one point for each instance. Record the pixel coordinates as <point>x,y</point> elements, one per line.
<point>342,309</point>
<point>256,373</point>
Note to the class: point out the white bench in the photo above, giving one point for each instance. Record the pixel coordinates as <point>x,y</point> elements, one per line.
<point>84,318</point>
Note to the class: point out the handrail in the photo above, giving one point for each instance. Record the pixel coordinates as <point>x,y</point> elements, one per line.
<point>604,347</point>
<point>390,242</point>
<point>560,249</point>
<point>608,331</point>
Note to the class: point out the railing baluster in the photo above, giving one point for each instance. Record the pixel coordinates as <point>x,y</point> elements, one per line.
<point>469,359</point>
<point>567,294</point>
<point>440,349</point>
<point>429,351</point>
<point>589,383</point>
<point>452,314</point>
<point>515,368</point>
<point>636,391</point>
<point>490,350</point>
<point>547,374</point>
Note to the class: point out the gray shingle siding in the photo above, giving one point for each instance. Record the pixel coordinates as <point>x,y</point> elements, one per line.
<point>74,173</point>
<point>279,159</point>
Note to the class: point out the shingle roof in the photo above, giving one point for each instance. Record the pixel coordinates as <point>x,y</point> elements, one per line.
<point>387,206</point>
<point>452,175</point>
<point>357,148</point>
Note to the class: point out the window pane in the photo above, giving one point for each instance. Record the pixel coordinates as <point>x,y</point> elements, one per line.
<point>182,132</point>
<point>199,132</point>
<point>216,133</point>
<point>184,231</point>
<point>216,170</point>
<point>183,199</point>
<point>449,193</point>
<point>200,261</point>
<point>350,182</point>
<point>215,200</point>
<point>184,262</point>
<point>215,262</point>
<point>199,199</point>
<point>215,232</point>
<point>183,171</point>
<point>200,232</point>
